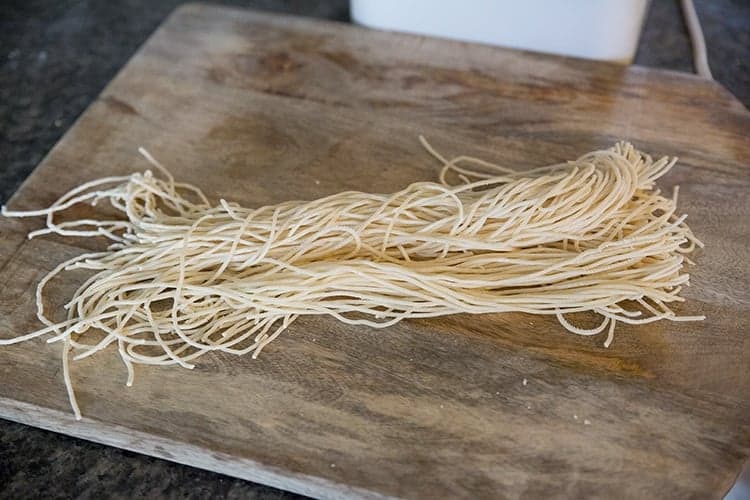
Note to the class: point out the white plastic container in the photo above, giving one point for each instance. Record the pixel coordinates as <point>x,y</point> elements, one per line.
<point>594,29</point>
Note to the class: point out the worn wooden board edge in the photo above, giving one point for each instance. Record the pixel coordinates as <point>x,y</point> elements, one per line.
<point>175,451</point>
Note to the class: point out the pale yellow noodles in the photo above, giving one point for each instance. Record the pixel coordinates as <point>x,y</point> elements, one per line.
<point>184,277</point>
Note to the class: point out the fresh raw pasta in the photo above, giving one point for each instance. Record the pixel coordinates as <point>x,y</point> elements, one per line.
<point>184,277</point>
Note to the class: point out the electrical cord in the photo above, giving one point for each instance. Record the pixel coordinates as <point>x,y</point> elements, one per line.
<point>700,56</point>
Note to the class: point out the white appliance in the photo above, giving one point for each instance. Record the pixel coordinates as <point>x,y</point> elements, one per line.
<point>594,29</point>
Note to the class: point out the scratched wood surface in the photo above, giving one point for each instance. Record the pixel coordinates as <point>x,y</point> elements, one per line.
<point>258,108</point>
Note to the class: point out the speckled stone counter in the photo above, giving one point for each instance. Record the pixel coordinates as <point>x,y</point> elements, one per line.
<point>56,56</point>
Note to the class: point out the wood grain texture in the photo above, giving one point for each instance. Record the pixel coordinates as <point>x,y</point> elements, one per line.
<point>257,109</point>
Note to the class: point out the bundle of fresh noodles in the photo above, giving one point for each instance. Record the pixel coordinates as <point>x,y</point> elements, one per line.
<point>183,276</point>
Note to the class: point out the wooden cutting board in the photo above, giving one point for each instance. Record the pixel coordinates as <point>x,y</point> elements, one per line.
<point>260,108</point>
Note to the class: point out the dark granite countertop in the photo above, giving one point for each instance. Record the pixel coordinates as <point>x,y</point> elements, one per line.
<point>56,56</point>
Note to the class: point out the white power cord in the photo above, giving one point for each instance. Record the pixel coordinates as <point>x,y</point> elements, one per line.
<point>700,57</point>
